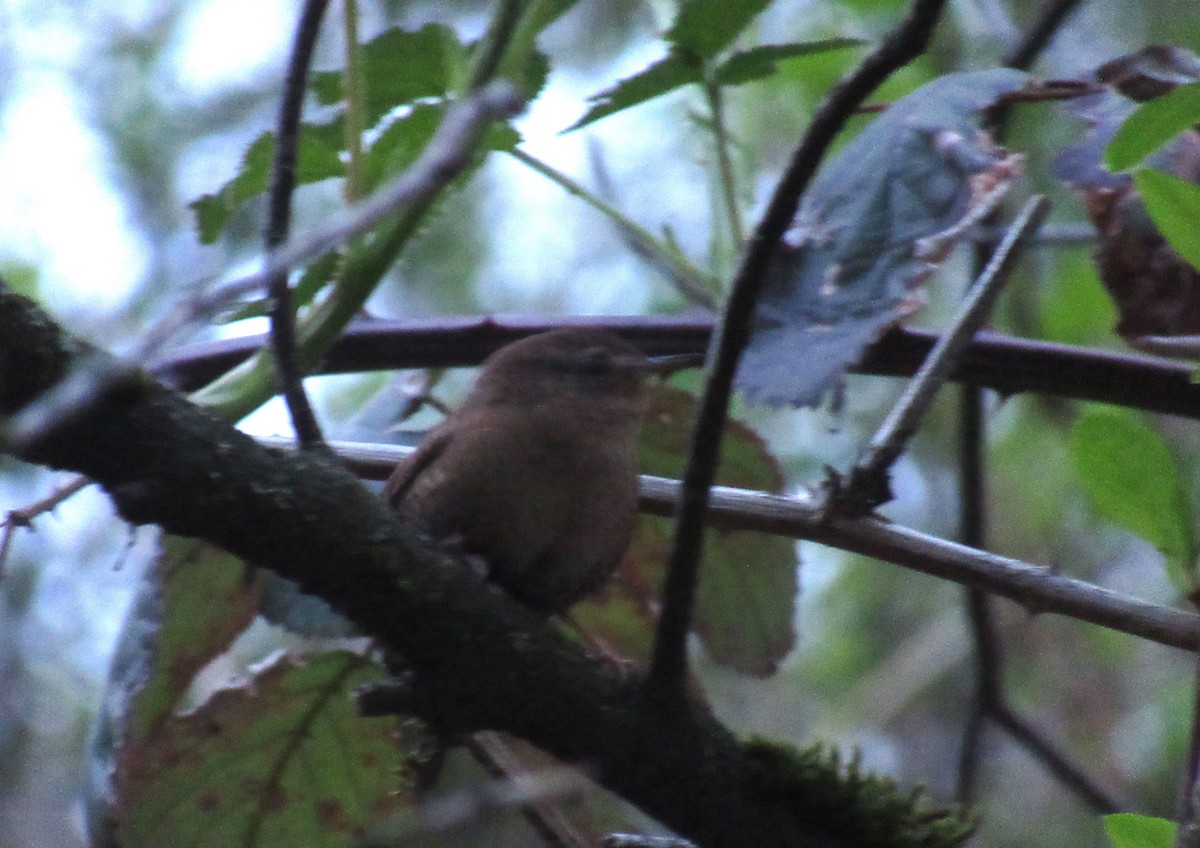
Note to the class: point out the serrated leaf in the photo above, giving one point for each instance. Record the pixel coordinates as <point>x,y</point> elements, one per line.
<point>1174,204</point>
<point>281,760</point>
<point>859,252</point>
<point>763,61</point>
<point>316,159</point>
<point>665,75</point>
<point>704,28</point>
<point>1130,830</point>
<point>1133,480</point>
<point>398,68</point>
<point>746,598</point>
<point>1153,125</point>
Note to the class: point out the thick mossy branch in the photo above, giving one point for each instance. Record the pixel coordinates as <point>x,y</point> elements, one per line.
<point>481,661</point>
<point>866,810</point>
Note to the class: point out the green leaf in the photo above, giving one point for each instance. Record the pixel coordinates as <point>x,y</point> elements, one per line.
<point>316,159</point>
<point>1153,124</point>
<point>745,604</point>
<point>400,67</point>
<point>311,282</point>
<point>1130,830</point>
<point>704,28</point>
<point>283,759</point>
<point>1174,204</point>
<point>663,76</point>
<point>762,61</point>
<point>1132,479</point>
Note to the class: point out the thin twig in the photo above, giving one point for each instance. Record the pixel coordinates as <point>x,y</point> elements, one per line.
<point>1036,588</point>
<point>989,661</point>
<point>1039,36</point>
<point>279,217</point>
<point>669,665</point>
<point>867,486</point>
<point>1068,772</point>
<point>686,277</point>
<point>543,814</point>
<point>720,132</point>
<point>22,517</point>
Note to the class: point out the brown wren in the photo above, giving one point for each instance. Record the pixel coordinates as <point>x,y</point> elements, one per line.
<point>537,472</point>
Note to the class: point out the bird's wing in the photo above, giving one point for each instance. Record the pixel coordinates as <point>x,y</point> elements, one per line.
<point>408,471</point>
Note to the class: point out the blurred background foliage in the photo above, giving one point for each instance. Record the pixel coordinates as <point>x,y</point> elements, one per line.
<point>113,117</point>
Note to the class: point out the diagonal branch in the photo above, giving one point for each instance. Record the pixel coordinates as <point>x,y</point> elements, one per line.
<point>1036,588</point>
<point>905,42</point>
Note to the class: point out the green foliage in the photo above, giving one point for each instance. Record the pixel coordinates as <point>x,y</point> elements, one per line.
<point>862,809</point>
<point>400,67</point>
<point>1129,830</point>
<point>1132,479</point>
<point>1153,124</point>
<point>701,31</point>
<point>317,159</point>
<point>1174,204</point>
<point>706,27</point>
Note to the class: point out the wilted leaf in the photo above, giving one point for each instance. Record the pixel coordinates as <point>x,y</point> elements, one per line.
<point>865,238</point>
<point>1155,291</point>
<point>190,606</point>
<point>283,759</point>
<point>1133,480</point>
<point>747,593</point>
<point>1130,830</point>
<point>1150,72</point>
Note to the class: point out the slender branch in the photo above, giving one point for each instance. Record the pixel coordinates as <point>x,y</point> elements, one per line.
<point>1034,587</point>
<point>905,42</point>
<point>868,486</point>
<point>1007,364</point>
<point>1039,36</point>
<point>1058,763</point>
<point>686,277</point>
<point>283,184</point>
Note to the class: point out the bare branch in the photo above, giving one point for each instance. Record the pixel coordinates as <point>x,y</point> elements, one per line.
<point>1007,364</point>
<point>904,43</point>
<point>1034,587</point>
<point>279,216</point>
